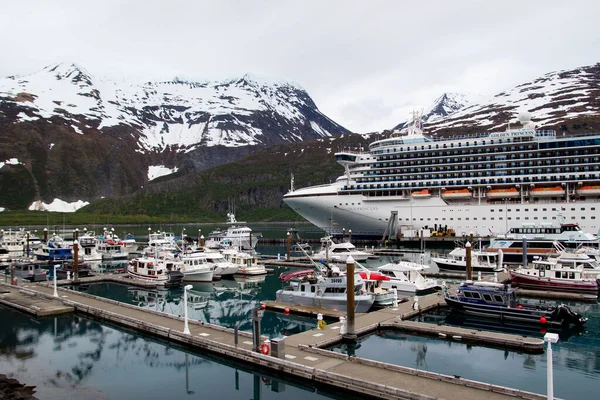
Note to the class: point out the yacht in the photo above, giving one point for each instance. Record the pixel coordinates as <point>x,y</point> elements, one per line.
<point>406,276</point>
<point>480,183</point>
<point>331,250</point>
<point>569,234</point>
<point>247,264</point>
<point>237,235</point>
<point>196,267</point>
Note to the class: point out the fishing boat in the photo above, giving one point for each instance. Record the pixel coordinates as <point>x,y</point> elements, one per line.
<point>383,297</point>
<point>30,271</point>
<point>572,272</point>
<point>484,261</point>
<point>331,250</point>
<point>312,288</point>
<point>87,247</point>
<point>406,276</point>
<point>498,301</point>
<point>503,193</point>
<point>55,250</point>
<point>159,271</point>
<point>67,269</point>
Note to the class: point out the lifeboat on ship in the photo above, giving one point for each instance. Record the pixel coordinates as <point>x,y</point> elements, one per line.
<point>502,193</point>
<point>421,194</point>
<point>589,191</point>
<point>555,191</point>
<point>456,194</point>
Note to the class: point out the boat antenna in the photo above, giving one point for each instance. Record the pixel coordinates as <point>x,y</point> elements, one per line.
<point>292,183</point>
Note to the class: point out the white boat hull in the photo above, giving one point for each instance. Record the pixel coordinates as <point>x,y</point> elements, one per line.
<point>338,303</point>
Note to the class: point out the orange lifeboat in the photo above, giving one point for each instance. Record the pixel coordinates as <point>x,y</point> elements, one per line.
<point>456,194</point>
<point>555,191</point>
<point>589,191</point>
<point>502,193</point>
<point>420,194</point>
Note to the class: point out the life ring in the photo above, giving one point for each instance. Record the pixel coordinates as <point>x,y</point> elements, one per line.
<point>321,324</point>
<point>264,348</point>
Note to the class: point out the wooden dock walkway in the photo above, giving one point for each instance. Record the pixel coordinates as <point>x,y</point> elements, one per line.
<point>301,356</point>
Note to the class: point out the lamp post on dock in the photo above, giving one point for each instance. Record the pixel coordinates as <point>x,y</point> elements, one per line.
<point>550,338</point>
<point>186,329</point>
<point>55,292</point>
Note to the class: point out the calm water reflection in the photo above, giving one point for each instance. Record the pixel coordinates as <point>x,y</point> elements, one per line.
<point>576,356</point>
<point>80,358</point>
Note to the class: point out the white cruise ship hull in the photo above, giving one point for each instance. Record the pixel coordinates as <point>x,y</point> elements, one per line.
<point>332,213</point>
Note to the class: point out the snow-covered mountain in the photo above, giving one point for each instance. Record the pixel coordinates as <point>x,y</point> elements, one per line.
<point>443,106</point>
<point>78,137</point>
<point>566,101</point>
<point>177,115</point>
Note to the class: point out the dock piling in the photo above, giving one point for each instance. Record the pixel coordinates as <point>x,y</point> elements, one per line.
<point>468,261</point>
<point>350,332</point>
<point>256,317</point>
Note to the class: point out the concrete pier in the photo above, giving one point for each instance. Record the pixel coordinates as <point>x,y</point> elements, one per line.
<point>301,356</point>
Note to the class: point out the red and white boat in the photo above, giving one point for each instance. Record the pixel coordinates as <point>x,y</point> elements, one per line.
<point>588,191</point>
<point>555,191</point>
<point>421,194</point>
<point>508,193</point>
<point>573,272</point>
<point>456,194</point>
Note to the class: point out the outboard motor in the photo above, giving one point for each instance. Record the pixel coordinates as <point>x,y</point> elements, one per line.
<point>568,316</point>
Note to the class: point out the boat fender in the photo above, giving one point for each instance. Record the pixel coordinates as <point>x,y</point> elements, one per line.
<point>264,348</point>
<point>321,324</point>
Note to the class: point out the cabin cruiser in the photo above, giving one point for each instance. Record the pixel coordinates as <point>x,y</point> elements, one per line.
<point>236,236</point>
<point>87,247</point>
<point>406,276</point>
<point>196,267</point>
<point>55,250</point>
<point>160,242</point>
<point>330,249</point>
<point>314,288</point>
<point>247,264</point>
<point>498,301</point>
<point>573,272</point>
<point>30,271</point>
<point>159,271</point>
<point>383,297</point>
<point>484,261</point>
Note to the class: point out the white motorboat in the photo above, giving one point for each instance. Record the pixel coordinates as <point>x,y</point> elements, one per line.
<point>331,250</point>
<point>237,236</point>
<point>196,267</point>
<point>247,263</point>
<point>406,276</point>
<point>159,271</point>
<point>484,261</point>
<point>87,247</point>
<point>222,267</point>
<point>315,289</point>
<point>159,242</point>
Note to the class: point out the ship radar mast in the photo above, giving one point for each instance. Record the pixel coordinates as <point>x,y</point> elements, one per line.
<point>414,127</point>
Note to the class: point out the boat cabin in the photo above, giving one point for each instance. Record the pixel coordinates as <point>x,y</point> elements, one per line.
<point>487,293</point>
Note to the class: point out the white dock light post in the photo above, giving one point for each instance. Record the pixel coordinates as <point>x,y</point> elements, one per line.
<point>186,329</point>
<point>550,338</point>
<point>55,292</point>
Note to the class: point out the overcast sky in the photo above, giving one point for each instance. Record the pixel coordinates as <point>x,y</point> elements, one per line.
<point>366,64</point>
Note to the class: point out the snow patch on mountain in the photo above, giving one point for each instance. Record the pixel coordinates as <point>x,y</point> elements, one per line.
<point>58,205</point>
<point>11,161</point>
<point>156,171</point>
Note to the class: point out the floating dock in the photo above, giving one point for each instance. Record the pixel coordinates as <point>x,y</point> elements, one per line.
<point>299,355</point>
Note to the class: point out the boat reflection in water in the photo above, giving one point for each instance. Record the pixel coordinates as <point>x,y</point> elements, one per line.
<point>74,357</point>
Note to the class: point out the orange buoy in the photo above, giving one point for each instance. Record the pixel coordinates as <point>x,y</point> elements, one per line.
<point>519,306</point>
<point>287,310</point>
<point>263,306</point>
<point>543,320</point>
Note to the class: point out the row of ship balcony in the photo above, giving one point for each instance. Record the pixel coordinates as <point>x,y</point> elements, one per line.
<point>526,180</point>
<point>506,170</point>
<point>559,191</point>
<point>588,155</point>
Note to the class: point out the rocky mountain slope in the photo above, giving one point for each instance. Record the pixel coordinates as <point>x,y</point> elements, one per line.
<point>566,101</point>
<point>77,137</point>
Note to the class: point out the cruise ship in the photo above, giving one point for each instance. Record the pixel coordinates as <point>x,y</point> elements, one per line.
<point>478,184</point>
